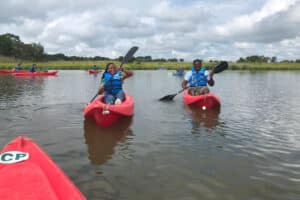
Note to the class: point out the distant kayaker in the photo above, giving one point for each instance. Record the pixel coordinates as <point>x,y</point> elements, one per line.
<point>95,67</point>
<point>197,79</point>
<point>111,84</point>
<point>33,68</point>
<point>18,67</point>
<point>180,70</point>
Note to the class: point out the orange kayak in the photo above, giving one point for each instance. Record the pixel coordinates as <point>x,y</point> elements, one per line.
<point>27,172</point>
<point>206,101</point>
<point>105,114</point>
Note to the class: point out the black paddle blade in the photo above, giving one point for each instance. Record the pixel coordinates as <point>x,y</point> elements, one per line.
<point>169,97</point>
<point>129,54</point>
<point>220,67</point>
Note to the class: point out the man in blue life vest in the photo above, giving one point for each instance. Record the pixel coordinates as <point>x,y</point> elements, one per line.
<point>112,82</point>
<point>197,79</point>
<point>94,67</point>
<point>33,68</point>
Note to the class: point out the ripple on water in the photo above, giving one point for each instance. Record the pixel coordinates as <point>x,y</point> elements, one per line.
<point>249,150</point>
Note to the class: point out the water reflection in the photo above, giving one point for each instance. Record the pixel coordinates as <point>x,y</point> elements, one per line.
<point>203,118</point>
<point>14,90</point>
<point>102,142</point>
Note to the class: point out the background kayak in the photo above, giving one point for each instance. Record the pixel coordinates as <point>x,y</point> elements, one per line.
<point>26,172</point>
<point>37,73</point>
<point>105,114</point>
<point>178,73</point>
<point>10,71</point>
<point>181,73</point>
<point>91,71</point>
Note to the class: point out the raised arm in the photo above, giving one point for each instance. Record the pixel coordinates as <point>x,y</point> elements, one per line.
<point>127,74</point>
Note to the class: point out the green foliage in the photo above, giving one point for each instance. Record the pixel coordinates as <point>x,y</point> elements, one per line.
<point>273,59</point>
<point>265,66</point>
<point>9,63</point>
<point>11,45</point>
<point>256,59</point>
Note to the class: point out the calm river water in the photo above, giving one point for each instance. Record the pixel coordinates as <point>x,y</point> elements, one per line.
<point>248,150</point>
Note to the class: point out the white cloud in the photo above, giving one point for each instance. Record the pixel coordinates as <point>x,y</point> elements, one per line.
<point>248,24</point>
<point>291,43</point>
<point>244,45</point>
<point>171,28</point>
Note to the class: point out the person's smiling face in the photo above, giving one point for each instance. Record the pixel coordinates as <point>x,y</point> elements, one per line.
<point>197,65</point>
<point>112,69</point>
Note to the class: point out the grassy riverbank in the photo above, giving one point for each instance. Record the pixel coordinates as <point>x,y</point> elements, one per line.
<point>9,63</point>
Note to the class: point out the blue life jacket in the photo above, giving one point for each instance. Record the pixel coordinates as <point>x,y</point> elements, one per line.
<point>32,69</point>
<point>198,78</point>
<point>113,82</point>
<point>18,67</point>
<point>94,67</point>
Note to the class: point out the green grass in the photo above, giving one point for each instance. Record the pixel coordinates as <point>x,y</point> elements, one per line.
<point>9,63</point>
<point>264,66</point>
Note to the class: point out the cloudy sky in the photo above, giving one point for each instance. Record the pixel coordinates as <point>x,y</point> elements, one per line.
<point>206,29</point>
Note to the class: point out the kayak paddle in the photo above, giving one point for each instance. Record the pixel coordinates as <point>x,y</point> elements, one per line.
<point>217,69</point>
<point>127,58</point>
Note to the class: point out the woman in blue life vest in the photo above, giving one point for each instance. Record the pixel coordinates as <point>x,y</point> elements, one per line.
<point>95,67</point>
<point>197,79</point>
<point>18,67</point>
<point>112,82</point>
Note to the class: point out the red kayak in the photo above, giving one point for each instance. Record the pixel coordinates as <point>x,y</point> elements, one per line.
<point>10,71</point>
<point>105,114</point>
<point>92,71</point>
<point>37,73</point>
<point>206,101</point>
<point>26,172</point>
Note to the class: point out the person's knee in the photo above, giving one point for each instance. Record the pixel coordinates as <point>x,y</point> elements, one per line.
<point>192,91</point>
<point>121,95</point>
<point>109,99</point>
<point>197,91</point>
<point>204,90</point>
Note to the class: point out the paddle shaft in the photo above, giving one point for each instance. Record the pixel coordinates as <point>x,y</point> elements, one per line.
<point>94,97</point>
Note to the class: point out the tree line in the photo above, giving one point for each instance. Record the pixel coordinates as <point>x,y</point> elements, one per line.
<point>12,46</point>
<point>263,59</point>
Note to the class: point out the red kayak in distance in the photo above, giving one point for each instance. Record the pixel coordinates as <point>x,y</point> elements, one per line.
<point>206,101</point>
<point>92,71</point>
<point>106,114</point>
<point>37,73</point>
<point>27,172</point>
<point>11,71</point>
